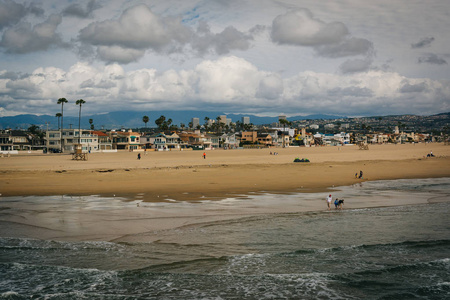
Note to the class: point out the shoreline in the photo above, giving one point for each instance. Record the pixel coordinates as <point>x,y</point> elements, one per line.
<point>185,175</point>
<point>119,220</point>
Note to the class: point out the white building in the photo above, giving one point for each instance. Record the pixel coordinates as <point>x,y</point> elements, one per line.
<point>71,137</point>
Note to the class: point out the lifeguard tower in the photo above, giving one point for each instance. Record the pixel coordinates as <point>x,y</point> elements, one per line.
<point>363,146</point>
<point>78,152</point>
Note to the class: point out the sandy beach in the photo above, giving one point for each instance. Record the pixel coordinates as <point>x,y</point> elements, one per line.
<point>171,178</point>
<point>186,175</point>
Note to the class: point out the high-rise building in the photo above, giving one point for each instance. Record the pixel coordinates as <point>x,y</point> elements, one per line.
<point>245,120</point>
<point>223,119</point>
<point>195,122</point>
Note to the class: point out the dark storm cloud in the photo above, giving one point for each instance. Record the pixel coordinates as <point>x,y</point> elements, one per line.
<point>79,11</point>
<point>24,38</point>
<point>138,29</point>
<point>423,43</point>
<point>432,59</point>
<point>11,13</point>
<point>356,65</point>
<point>103,84</point>
<point>222,43</point>
<point>413,88</point>
<point>302,29</point>
<point>9,75</point>
<point>350,92</point>
<point>348,47</point>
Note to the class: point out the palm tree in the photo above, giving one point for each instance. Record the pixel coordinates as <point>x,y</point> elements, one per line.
<point>79,102</point>
<point>62,101</point>
<point>91,121</point>
<point>161,122</point>
<point>145,119</point>
<point>219,124</point>
<point>206,123</point>
<point>58,115</point>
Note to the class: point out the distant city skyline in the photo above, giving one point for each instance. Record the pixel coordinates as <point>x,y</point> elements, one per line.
<point>259,57</point>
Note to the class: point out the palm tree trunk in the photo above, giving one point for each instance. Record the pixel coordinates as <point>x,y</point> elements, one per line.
<point>79,126</point>
<point>61,131</point>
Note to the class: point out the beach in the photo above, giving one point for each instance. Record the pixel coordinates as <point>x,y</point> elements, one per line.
<point>186,175</point>
<point>239,224</point>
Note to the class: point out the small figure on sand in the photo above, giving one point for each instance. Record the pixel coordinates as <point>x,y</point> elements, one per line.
<point>430,154</point>
<point>356,175</point>
<point>329,199</point>
<point>204,155</point>
<point>338,203</point>
<point>139,156</point>
<point>360,174</point>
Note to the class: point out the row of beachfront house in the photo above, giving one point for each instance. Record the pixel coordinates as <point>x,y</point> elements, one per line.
<point>101,141</point>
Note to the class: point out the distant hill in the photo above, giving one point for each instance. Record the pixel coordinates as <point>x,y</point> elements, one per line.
<point>133,119</point>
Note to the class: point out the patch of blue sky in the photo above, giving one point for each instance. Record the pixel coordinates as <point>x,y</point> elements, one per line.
<point>191,15</point>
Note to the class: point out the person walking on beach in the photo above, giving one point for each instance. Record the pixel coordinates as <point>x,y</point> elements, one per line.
<point>329,199</point>
<point>361,174</point>
<point>204,155</point>
<point>341,203</point>
<point>336,203</point>
<point>139,156</point>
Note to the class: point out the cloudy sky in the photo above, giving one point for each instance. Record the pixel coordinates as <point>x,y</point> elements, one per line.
<point>266,57</point>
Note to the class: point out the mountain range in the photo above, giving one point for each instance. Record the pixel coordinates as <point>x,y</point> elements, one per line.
<point>133,119</point>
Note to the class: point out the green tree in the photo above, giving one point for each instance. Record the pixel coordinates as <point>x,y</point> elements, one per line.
<point>79,102</point>
<point>162,123</point>
<point>159,122</point>
<point>206,123</point>
<point>220,125</point>
<point>238,126</point>
<point>145,119</point>
<point>58,115</point>
<point>91,121</point>
<point>33,129</point>
<point>247,127</point>
<point>364,128</point>
<point>36,132</point>
<point>62,101</point>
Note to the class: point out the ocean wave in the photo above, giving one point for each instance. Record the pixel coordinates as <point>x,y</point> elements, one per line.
<point>29,244</point>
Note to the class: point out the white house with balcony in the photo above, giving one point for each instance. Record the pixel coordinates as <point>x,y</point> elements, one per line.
<point>70,137</point>
<point>164,142</point>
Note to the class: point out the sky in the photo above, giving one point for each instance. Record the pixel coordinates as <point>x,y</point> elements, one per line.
<point>264,57</point>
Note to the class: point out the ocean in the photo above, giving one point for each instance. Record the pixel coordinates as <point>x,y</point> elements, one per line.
<point>383,252</point>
